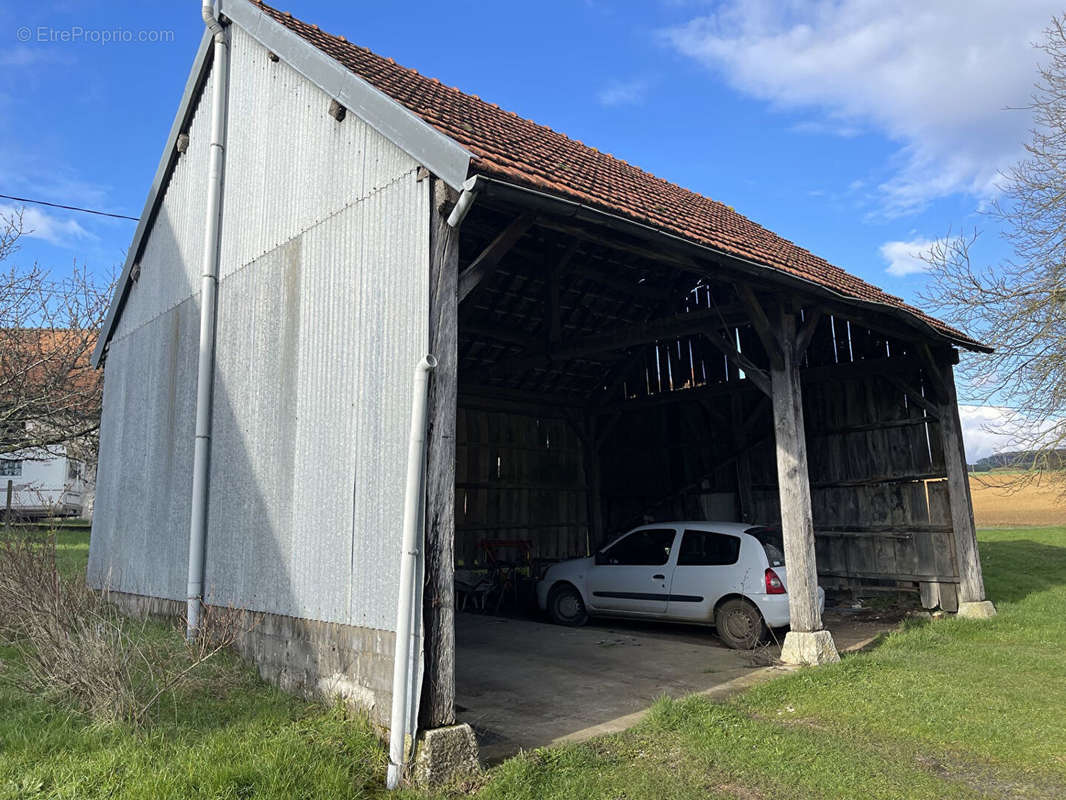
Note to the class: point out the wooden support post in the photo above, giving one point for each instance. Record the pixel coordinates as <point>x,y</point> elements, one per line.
<point>437,707</point>
<point>593,484</point>
<point>971,582</point>
<point>806,642</point>
<point>794,485</point>
<point>745,503</point>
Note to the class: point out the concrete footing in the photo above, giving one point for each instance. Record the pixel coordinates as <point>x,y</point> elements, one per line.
<point>302,656</point>
<point>981,609</point>
<point>809,648</point>
<point>444,756</point>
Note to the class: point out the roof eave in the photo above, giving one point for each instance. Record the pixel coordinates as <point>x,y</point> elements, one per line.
<point>441,155</point>
<point>197,75</point>
<point>490,186</point>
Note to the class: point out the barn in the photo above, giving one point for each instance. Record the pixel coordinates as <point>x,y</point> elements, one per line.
<point>609,349</point>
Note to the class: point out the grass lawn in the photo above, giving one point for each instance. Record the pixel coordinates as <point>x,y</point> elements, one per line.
<point>948,708</point>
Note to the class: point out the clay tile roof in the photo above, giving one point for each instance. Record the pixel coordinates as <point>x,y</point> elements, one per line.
<point>520,151</point>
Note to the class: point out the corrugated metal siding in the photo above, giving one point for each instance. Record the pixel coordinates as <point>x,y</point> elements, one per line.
<point>144,481</point>
<point>170,263</point>
<point>277,186</point>
<point>323,306</point>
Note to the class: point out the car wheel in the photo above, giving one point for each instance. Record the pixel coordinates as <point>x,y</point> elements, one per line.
<point>566,607</point>
<point>739,624</point>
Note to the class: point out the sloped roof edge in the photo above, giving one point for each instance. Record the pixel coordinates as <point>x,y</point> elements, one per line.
<point>443,156</point>
<point>200,66</point>
<point>440,154</point>
<point>520,151</point>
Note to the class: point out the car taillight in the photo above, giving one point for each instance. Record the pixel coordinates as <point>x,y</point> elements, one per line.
<point>773,583</point>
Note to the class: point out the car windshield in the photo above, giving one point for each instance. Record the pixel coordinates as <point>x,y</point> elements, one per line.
<point>772,543</point>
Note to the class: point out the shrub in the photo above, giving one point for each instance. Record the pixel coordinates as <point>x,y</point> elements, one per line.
<point>77,648</point>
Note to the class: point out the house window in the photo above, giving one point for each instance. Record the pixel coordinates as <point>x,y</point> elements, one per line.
<point>9,467</point>
<point>73,470</point>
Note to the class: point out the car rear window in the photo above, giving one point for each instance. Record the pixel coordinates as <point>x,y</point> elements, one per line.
<point>772,544</point>
<point>708,549</point>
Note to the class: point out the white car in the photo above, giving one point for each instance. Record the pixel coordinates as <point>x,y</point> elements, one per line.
<point>728,574</point>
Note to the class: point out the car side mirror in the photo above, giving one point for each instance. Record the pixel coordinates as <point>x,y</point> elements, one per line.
<point>601,558</point>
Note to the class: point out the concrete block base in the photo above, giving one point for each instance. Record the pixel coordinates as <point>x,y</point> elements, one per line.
<point>982,609</point>
<point>304,657</point>
<point>444,756</point>
<point>809,648</point>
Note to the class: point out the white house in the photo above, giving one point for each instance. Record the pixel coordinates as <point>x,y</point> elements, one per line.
<point>45,484</point>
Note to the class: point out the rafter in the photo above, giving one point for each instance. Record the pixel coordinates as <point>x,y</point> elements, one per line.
<point>666,328</point>
<point>806,333</point>
<point>485,264</point>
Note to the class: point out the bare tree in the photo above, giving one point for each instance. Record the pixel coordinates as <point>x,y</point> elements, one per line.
<point>1019,305</point>
<point>49,393</point>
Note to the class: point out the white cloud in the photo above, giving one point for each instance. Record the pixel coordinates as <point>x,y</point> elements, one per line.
<point>986,431</point>
<point>933,77</point>
<point>52,228</point>
<point>623,93</point>
<point>904,258</point>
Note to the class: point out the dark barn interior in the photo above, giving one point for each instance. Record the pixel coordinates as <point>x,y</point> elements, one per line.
<point>605,382</point>
<point>596,374</point>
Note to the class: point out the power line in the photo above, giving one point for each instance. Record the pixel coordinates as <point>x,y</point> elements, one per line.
<point>68,208</point>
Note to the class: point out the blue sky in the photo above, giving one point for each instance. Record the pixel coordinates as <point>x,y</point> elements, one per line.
<point>857,129</point>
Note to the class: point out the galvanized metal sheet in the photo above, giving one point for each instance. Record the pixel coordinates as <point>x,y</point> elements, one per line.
<point>323,309</point>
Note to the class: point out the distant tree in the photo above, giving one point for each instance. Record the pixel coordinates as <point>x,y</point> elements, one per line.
<point>50,396</point>
<point>1019,305</point>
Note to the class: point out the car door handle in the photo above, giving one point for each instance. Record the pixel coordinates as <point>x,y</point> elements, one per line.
<point>659,577</point>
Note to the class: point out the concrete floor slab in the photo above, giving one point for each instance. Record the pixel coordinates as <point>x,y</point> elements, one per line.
<point>523,683</point>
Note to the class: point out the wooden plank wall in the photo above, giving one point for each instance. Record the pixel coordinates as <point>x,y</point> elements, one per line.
<point>873,455</point>
<point>518,477</point>
<point>876,464</point>
<point>667,462</point>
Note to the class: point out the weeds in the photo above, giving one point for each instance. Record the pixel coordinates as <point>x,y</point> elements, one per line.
<point>77,648</point>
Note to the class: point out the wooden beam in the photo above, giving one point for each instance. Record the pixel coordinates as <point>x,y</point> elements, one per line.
<point>794,487</point>
<point>485,264</point>
<point>603,429</point>
<point>770,339</point>
<point>552,325</point>
<point>968,562</point>
<point>729,349</point>
<point>715,419</point>
<point>914,395</point>
<point>437,707</point>
<point>616,376</point>
<point>937,379</point>
<point>743,461</point>
<point>724,270</point>
<point>671,327</point>
<point>806,333</point>
<point>498,333</point>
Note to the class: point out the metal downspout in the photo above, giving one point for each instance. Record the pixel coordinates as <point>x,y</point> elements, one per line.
<point>408,612</point>
<point>208,315</point>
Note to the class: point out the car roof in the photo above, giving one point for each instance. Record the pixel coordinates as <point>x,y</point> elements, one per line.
<point>704,525</point>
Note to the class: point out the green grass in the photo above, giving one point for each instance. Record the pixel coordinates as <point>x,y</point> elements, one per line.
<point>947,708</point>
